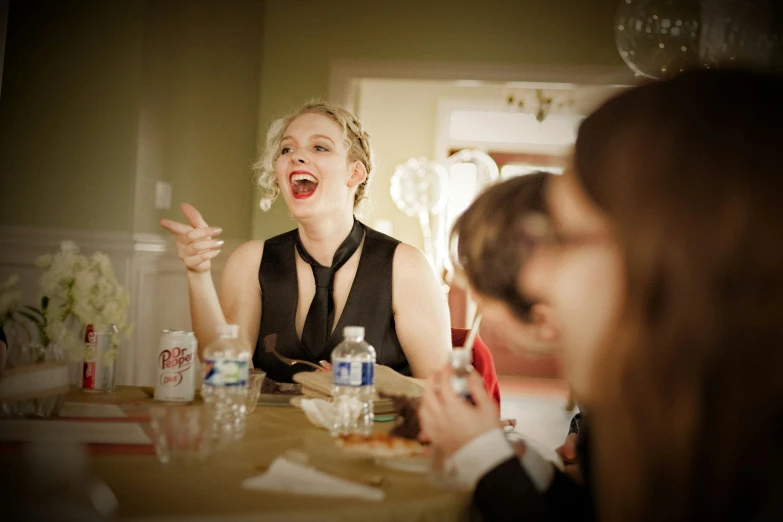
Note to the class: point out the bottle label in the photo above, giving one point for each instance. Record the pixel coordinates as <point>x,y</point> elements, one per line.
<point>459,383</point>
<point>353,373</point>
<point>226,372</point>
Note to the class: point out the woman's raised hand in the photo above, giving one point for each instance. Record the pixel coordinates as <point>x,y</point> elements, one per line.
<point>195,245</point>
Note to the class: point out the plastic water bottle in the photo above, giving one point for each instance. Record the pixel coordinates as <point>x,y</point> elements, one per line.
<point>459,360</point>
<point>439,475</point>
<point>353,383</point>
<point>226,368</point>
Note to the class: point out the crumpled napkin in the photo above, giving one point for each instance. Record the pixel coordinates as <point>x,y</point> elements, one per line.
<point>287,476</point>
<point>319,411</point>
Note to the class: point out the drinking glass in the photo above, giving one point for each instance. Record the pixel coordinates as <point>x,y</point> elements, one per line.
<point>182,433</point>
<point>254,388</point>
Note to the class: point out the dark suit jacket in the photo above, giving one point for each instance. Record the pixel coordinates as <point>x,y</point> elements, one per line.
<point>507,493</point>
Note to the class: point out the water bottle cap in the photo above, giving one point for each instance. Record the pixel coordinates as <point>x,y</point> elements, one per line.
<point>353,331</point>
<point>459,357</point>
<point>228,330</point>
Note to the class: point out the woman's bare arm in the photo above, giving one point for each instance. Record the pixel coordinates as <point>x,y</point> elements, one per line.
<point>421,314</point>
<point>240,290</point>
<point>240,296</point>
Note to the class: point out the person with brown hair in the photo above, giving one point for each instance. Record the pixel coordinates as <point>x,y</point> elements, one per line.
<point>486,260</point>
<point>664,265</point>
<point>331,271</point>
<point>488,257</point>
<point>486,263</point>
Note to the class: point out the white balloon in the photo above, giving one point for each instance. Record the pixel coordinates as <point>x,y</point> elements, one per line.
<point>419,186</point>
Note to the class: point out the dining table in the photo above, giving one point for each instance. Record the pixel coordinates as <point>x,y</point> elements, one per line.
<point>148,490</point>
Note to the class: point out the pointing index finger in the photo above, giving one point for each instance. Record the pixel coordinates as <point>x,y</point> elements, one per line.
<point>175,227</point>
<point>193,215</point>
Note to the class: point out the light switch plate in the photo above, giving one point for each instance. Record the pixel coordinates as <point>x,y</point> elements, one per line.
<point>162,195</point>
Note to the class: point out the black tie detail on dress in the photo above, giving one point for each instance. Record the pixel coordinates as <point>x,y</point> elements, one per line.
<point>320,318</point>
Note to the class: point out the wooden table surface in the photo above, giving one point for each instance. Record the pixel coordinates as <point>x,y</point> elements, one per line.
<point>149,490</point>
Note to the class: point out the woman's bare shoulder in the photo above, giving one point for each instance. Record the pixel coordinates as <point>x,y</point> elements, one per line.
<point>409,258</point>
<point>247,255</point>
<point>239,276</point>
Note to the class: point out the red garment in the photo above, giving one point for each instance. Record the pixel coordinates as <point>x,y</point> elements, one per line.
<point>482,361</point>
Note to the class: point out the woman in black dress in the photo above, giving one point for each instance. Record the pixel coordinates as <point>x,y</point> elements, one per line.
<point>329,272</point>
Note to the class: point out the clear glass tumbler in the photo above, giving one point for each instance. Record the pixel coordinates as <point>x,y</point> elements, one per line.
<point>182,433</point>
<point>254,389</point>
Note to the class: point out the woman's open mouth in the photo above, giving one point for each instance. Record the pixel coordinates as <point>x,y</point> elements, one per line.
<point>303,184</point>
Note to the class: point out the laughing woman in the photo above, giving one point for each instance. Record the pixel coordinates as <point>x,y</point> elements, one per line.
<point>329,272</point>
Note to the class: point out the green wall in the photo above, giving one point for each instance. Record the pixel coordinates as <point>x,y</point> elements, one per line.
<point>68,114</point>
<point>199,110</point>
<point>302,37</point>
<point>102,98</point>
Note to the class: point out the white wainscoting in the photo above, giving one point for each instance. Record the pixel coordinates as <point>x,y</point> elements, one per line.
<point>146,264</point>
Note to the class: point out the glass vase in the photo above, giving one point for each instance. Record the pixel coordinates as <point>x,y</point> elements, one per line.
<point>34,381</point>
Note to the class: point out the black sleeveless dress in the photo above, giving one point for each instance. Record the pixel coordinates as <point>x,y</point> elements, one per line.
<point>369,305</point>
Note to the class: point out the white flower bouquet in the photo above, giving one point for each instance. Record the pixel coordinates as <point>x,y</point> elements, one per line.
<point>75,291</point>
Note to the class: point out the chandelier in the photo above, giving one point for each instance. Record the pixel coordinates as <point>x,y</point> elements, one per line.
<point>537,102</point>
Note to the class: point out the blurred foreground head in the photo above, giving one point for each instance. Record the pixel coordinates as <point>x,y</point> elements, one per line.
<point>686,176</point>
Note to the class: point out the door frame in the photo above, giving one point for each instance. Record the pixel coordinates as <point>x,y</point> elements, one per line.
<point>345,74</point>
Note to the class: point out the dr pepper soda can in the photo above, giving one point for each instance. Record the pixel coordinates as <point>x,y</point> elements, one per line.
<point>175,379</point>
<point>99,358</point>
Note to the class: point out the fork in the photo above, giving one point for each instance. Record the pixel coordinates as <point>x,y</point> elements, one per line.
<point>270,341</point>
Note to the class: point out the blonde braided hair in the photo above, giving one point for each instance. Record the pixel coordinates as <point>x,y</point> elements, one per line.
<point>357,142</point>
